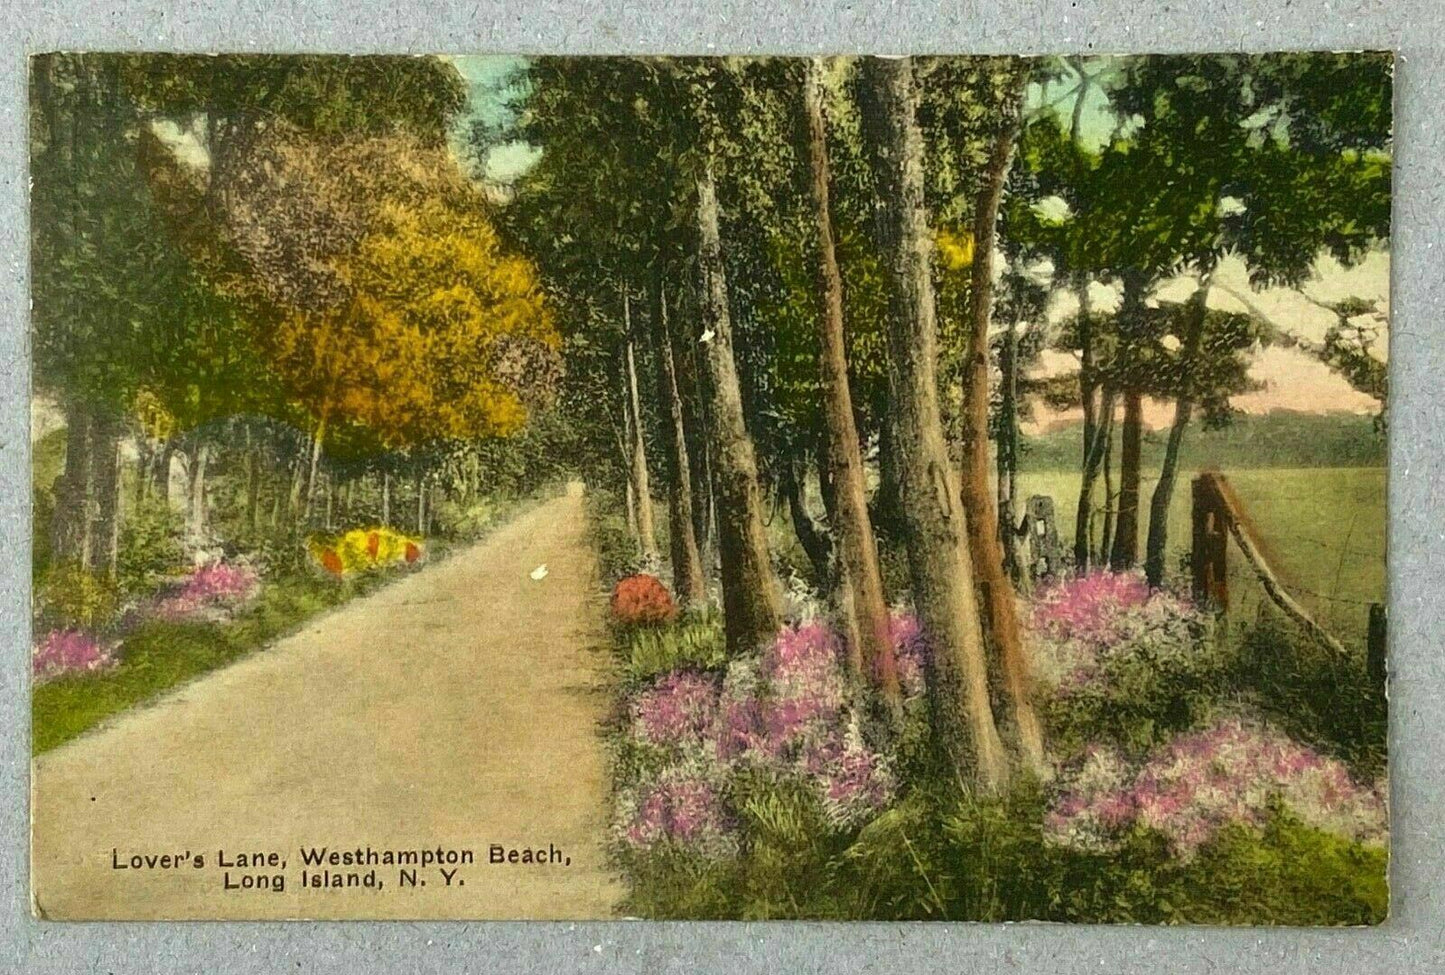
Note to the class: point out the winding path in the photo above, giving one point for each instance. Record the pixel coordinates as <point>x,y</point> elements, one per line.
<point>457,708</point>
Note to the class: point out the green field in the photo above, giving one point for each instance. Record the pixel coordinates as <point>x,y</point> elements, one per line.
<point>1323,528</point>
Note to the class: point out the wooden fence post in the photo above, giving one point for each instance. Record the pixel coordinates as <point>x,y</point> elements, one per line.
<point>1045,553</point>
<point>1209,558</point>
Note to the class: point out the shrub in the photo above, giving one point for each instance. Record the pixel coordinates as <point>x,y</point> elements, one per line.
<point>72,597</point>
<point>677,713</point>
<point>150,545</point>
<point>781,718</point>
<point>1311,692</point>
<point>1122,664</point>
<point>642,600</point>
<point>216,588</point>
<point>682,808</point>
<point>64,652</point>
<point>1235,772</point>
<point>694,641</point>
<point>1087,607</point>
<point>363,549</point>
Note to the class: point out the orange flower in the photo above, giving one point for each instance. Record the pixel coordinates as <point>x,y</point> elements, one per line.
<point>642,600</point>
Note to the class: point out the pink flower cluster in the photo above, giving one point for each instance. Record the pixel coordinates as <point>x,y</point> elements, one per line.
<point>217,586</point>
<point>677,711</point>
<point>681,806</point>
<point>1086,607</point>
<point>1082,626</point>
<point>64,652</point>
<point>786,713</point>
<point>1188,790</point>
<point>801,671</point>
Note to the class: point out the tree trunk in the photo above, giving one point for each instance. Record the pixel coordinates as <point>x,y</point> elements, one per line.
<point>999,601</point>
<point>624,450</point>
<point>196,511</point>
<point>317,440</point>
<point>646,528</point>
<point>386,498</point>
<point>935,523</point>
<point>1111,496</point>
<point>694,423</point>
<point>70,536</point>
<point>687,576</point>
<point>163,469</point>
<point>1084,514</point>
<point>1125,552</point>
<point>751,608</point>
<point>816,544</point>
<point>253,487</point>
<point>105,478</point>
<point>421,503</point>
<point>145,453</point>
<point>1155,548</point>
<point>1007,454</point>
<point>865,616</point>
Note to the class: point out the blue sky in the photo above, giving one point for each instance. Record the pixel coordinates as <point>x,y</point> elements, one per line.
<point>491,80</point>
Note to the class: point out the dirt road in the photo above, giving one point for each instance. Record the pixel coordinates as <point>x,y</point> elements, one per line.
<point>456,710</point>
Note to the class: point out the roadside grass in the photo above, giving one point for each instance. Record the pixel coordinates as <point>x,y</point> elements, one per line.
<point>158,656</point>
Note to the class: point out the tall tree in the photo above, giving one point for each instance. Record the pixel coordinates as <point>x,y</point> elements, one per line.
<point>1000,602</point>
<point>936,529</point>
<point>687,571</point>
<point>637,448</point>
<point>865,611</point>
<point>751,609</point>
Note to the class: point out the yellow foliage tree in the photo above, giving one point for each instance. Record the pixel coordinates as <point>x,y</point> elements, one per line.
<point>387,296</point>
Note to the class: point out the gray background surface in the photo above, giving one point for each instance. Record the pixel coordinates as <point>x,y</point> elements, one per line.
<point>1412,941</point>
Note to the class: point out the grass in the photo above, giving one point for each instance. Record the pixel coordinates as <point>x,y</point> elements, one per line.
<point>1324,532</point>
<point>158,656</point>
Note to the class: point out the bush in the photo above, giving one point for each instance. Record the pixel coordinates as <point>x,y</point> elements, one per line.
<point>150,545</point>
<point>1121,664</point>
<point>693,641</point>
<point>69,652</point>
<point>216,588</point>
<point>1311,692</point>
<point>642,600</point>
<point>71,597</point>
<point>1234,773</point>
<point>363,550</point>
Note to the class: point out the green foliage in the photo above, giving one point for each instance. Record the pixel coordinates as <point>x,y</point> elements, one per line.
<point>695,640</point>
<point>938,856</point>
<point>1153,685</point>
<point>150,545</point>
<point>1312,693</point>
<point>71,596</point>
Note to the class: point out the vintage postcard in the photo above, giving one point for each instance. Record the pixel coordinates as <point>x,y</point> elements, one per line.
<point>910,488</point>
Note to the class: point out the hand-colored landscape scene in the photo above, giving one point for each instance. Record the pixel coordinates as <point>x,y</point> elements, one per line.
<point>923,488</point>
